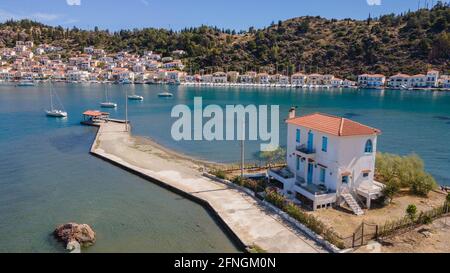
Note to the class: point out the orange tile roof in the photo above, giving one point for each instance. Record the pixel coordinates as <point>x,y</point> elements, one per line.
<point>333,125</point>
<point>95,113</point>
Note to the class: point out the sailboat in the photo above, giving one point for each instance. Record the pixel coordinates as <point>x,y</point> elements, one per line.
<point>107,104</point>
<point>56,113</point>
<point>135,97</point>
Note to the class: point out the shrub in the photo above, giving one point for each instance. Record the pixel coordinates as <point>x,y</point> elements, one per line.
<point>314,224</point>
<point>219,173</point>
<point>422,184</point>
<point>273,197</point>
<point>391,189</point>
<point>411,211</point>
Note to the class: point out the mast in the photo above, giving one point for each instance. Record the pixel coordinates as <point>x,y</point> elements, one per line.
<point>242,147</point>
<point>126,110</point>
<point>51,97</point>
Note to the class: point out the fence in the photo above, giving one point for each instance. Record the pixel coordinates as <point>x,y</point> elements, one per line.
<point>363,234</point>
<point>406,223</point>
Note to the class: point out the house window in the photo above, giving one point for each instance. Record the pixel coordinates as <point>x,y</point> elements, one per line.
<point>322,175</point>
<point>297,136</point>
<point>324,144</point>
<point>297,163</point>
<point>369,147</point>
<point>365,175</point>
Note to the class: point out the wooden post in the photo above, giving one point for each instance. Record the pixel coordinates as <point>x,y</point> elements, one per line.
<point>353,241</point>
<point>362,233</point>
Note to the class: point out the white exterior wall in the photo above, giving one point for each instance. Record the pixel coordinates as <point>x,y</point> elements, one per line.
<point>344,154</point>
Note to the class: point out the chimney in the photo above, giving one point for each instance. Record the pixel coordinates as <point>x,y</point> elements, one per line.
<point>292,112</point>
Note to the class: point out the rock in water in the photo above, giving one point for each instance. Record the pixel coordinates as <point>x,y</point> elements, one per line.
<point>75,236</point>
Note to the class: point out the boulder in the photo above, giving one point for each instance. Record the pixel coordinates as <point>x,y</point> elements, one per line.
<point>75,235</point>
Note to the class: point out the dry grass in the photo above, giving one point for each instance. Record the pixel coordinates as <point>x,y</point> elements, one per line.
<point>345,223</point>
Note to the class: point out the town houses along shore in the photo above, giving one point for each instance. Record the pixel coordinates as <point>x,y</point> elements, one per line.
<point>30,62</point>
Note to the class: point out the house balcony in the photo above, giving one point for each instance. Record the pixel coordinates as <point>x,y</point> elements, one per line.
<point>305,152</point>
<point>283,175</point>
<point>318,194</point>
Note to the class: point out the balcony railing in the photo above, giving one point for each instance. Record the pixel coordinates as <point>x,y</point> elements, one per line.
<point>305,149</point>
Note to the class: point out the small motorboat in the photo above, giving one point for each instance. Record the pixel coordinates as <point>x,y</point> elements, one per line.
<point>135,97</point>
<point>56,113</point>
<point>165,95</point>
<point>25,83</point>
<point>108,105</point>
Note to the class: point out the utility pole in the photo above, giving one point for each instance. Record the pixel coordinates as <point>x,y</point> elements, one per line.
<point>126,110</point>
<point>242,147</point>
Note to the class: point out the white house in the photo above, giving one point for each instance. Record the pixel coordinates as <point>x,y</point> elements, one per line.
<point>432,78</point>
<point>315,79</point>
<point>418,80</point>
<point>371,80</point>
<point>329,160</point>
<point>399,80</point>
<point>298,79</point>
<point>336,82</point>
<point>219,77</point>
<point>445,81</point>
<point>262,78</point>
<point>246,78</point>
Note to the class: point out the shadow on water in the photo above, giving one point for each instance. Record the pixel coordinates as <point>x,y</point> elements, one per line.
<point>442,117</point>
<point>70,143</point>
<point>351,115</point>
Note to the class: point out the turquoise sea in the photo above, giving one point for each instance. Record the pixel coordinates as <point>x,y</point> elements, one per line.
<point>47,176</point>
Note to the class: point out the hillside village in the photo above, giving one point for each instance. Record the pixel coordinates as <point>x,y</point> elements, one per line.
<point>29,62</point>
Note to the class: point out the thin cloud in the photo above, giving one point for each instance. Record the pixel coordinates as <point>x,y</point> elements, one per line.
<point>38,16</point>
<point>73,2</point>
<point>373,2</point>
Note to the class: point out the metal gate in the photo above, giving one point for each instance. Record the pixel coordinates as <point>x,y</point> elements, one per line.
<point>364,234</point>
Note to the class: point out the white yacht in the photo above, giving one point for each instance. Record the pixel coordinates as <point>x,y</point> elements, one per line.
<point>135,97</point>
<point>107,103</point>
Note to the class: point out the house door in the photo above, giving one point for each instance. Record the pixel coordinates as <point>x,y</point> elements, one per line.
<point>310,173</point>
<point>310,141</point>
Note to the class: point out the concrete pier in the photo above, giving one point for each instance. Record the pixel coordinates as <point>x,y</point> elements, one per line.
<point>242,216</point>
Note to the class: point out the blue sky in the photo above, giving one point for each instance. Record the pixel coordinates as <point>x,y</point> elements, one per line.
<point>176,14</point>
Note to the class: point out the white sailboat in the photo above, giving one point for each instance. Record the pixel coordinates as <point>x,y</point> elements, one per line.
<point>106,103</point>
<point>56,113</point>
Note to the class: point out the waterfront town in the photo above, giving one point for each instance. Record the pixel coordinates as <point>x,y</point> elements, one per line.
<point>27,62</point>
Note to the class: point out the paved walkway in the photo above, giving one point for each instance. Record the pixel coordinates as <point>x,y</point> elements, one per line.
<point>250,221</point>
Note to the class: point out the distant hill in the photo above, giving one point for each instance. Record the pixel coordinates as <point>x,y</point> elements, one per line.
<point>410,42</point>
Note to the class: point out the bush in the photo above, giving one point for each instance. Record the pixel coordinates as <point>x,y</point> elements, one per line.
<point>314,224</point>
<point>219,173</point>
<point>422,184</point>
<point>273,197</point>
<point>405,171</point>
<point>391,189</point>
<point>411,211</point>
<point>245,182</point>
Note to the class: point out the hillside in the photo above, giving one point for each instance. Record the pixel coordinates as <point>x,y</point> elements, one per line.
<point>410,42</point>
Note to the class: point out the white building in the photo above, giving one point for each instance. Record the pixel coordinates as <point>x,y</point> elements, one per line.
<point>262,78</point>
<point>315,79</point>
<point>219,77</point>
<point>418,80</point>
<point>371,80</point>
<point>399,81</point>
<point>432,78</point>
<point>329,159</point>
<point>298,79</point>
<point>336,82</point>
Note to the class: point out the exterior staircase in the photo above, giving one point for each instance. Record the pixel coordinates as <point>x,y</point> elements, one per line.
<point>351,202</point>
